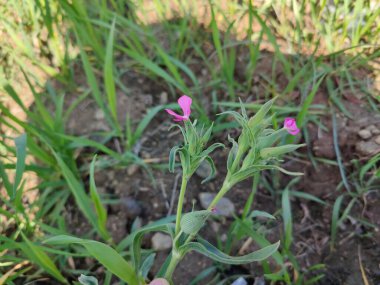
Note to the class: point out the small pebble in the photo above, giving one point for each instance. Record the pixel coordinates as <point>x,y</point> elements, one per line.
<point>365,134</point>
<point>131,207</point>
<point>132,169</point>
<point>367,147</point>
<point>377,140</point>
<point>240,281</point>
<point>373,129</point>
<point>161,241</point>
<point>163,98</point>
<point>375,132</point>
<point>215,226</point>
<point>99,114</point>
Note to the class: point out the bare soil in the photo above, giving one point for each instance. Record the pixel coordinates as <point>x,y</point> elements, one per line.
<point>139,198</point>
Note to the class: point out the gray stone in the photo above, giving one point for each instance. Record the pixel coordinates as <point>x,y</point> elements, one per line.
<point>131,207</point>
<point>163,98</point>
<point>374,130</point>
<point>132,169</point>
<point>224,207</point>
<point>161,241</point>
<point>365,134</point>
<point>99,114</point>
<point>367,148</point>
<point>377,140</point>
<point>240,281</point>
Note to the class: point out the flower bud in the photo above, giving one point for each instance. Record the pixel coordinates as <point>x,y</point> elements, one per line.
<point>192,222</point>
<point>279,150</point>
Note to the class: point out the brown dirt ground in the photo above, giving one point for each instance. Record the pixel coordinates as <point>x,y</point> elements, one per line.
<point>140,198</point>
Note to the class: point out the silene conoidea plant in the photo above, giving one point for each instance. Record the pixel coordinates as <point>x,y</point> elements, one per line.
<point>255,150</point>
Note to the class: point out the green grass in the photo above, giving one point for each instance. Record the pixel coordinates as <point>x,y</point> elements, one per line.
<point>315,46</point>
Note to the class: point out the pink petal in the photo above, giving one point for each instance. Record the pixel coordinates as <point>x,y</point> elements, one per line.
<point>185,104</point>
<point>294,131</point>
<point>289,122</point>
<point>291,126</point>
<point>177,118</point>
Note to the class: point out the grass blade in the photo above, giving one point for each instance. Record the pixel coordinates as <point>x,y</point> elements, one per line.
<point>105,254</point>
<point>287,216</point>
<point>99,208</point>
<point>37,255</point>
<point>20,164</point>
<point>109,80</point>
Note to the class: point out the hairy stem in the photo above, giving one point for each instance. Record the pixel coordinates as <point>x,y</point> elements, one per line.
<point>226,186</point>
<point>176,258</point>
<point>180,204</point>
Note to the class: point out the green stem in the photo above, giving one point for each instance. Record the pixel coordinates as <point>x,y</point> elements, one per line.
<point>176,258</point>
<point>226,186</point>
<point>180,204</point>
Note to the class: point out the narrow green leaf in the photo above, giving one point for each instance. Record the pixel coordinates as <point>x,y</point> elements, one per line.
<point>307,196</point>
<point>5,180</point>
<point>307,102</point>
<point>260,240</point>
<point>212,168</point>
<point>287,216</point>
<point>211,148</point>
<point>109,80</point>
<point>270,140</point>
<point>147,265</point>
<point>335,219</point>
<point>257,213</point>
<point>269,152</point>
<point>103,253</point>
<point>250,170</point>
<point>78,191</point>
<point>136,238</point>
<point>260,115</point>
<point>37,255</point>
<point>203,274</point>
<point>204,247</point>
<point>20,164</point>
<point>238,117</point>
<point>172,156</point>
<point>99,208</point>
<point>232,153</point>
<point>338,153</point>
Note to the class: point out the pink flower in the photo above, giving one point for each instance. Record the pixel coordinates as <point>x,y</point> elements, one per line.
<point>159,281</point>
<point>185,103</point>
<point>291,126</point>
